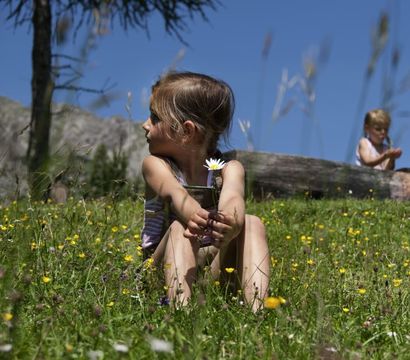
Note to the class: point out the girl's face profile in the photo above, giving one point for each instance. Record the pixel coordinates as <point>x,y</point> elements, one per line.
<point>377,133</point>
<point>159,141</point>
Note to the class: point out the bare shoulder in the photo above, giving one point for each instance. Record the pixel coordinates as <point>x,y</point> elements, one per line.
<point>363,142</point>
<point>233,172</point>
<point>233,167</point>
<point>152,163</point>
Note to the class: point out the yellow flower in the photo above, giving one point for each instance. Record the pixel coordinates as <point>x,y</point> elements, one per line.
<point>217,283</point>
<point>273,261</point>
<point>361,291</point>
<point>272,302</point>
<point>310,262</point>
<point>397,282</point>
<point>81,255</point>
<point>7,316</point>
<point>46,279</point>
<point>148,263</point>
<point>69,348</point>
<point>111,304</point>
<point>128,258</point>
<point>346,310</point>
<point>342,270</point>
<point>229,270</point>
<point>114,229</point>
<point>125,291</point>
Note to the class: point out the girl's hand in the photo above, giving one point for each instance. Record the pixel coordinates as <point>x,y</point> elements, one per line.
<point>223,227</point>
<point>393,153</point>
<point>197,224</point>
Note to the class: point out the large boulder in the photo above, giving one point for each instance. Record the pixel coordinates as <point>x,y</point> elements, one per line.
<point>74,131</point>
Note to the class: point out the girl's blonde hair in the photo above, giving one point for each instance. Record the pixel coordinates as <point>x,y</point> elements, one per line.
<point>208,102</point>
<point>378,117</point>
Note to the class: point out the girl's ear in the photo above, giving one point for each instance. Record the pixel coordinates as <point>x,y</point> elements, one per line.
<point>190,129</point>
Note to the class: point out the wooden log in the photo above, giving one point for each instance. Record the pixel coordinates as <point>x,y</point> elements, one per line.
<point>282,175</point>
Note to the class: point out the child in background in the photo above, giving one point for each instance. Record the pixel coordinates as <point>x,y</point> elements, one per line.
<point>188,113</point>
<point>372,150</point>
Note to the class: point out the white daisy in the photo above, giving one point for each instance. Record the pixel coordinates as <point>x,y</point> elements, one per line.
<point>214,164</point>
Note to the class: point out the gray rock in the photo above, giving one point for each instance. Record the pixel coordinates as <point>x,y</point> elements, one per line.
<point>73,131</point>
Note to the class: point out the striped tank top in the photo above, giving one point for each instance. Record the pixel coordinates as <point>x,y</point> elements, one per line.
<point>157,213</point>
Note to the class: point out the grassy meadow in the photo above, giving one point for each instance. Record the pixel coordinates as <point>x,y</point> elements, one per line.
<point>72,286</point>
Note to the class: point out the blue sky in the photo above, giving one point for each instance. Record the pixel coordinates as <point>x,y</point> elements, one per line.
<point>230,47</point>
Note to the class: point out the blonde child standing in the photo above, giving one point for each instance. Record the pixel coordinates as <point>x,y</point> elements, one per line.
<point>188,114</point>
<point>374,148</point>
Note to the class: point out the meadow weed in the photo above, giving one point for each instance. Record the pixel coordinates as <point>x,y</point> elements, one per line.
<point>73,285</point>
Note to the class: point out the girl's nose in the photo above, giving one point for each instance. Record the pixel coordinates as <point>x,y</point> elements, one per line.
<point>146,124</point>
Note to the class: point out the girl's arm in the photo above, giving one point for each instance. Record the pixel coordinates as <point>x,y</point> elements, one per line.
<point>229,220</point>
<point>232,198</point>
<point>371,161</point>
<point>226,223</point>
<point>161,181</point>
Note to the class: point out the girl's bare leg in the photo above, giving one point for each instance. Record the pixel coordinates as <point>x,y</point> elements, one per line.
<point>249,254</point>
<point>254,262</point>
<point>180,263</point>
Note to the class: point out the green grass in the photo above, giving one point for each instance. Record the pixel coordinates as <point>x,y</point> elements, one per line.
<point>70,286</point>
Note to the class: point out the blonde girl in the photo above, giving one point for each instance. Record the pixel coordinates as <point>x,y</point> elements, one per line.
<point>374,149</point>
<point>188,114</point>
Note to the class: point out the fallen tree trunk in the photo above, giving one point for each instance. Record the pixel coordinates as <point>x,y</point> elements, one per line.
<point>281,175</point>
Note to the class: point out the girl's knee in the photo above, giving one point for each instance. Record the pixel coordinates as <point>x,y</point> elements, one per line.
<point>176,232</point>
<point>177,226</point>
<point>254,222</point>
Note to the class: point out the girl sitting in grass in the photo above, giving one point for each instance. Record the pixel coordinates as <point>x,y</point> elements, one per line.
<point>188,114</point>
<point>374,149</point>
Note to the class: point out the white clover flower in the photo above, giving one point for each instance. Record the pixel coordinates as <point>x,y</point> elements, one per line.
<point>214,164</point>
<point>159,345</point>
<point>120,347</point>
<point>95,355</point>
<point>6,347</point>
